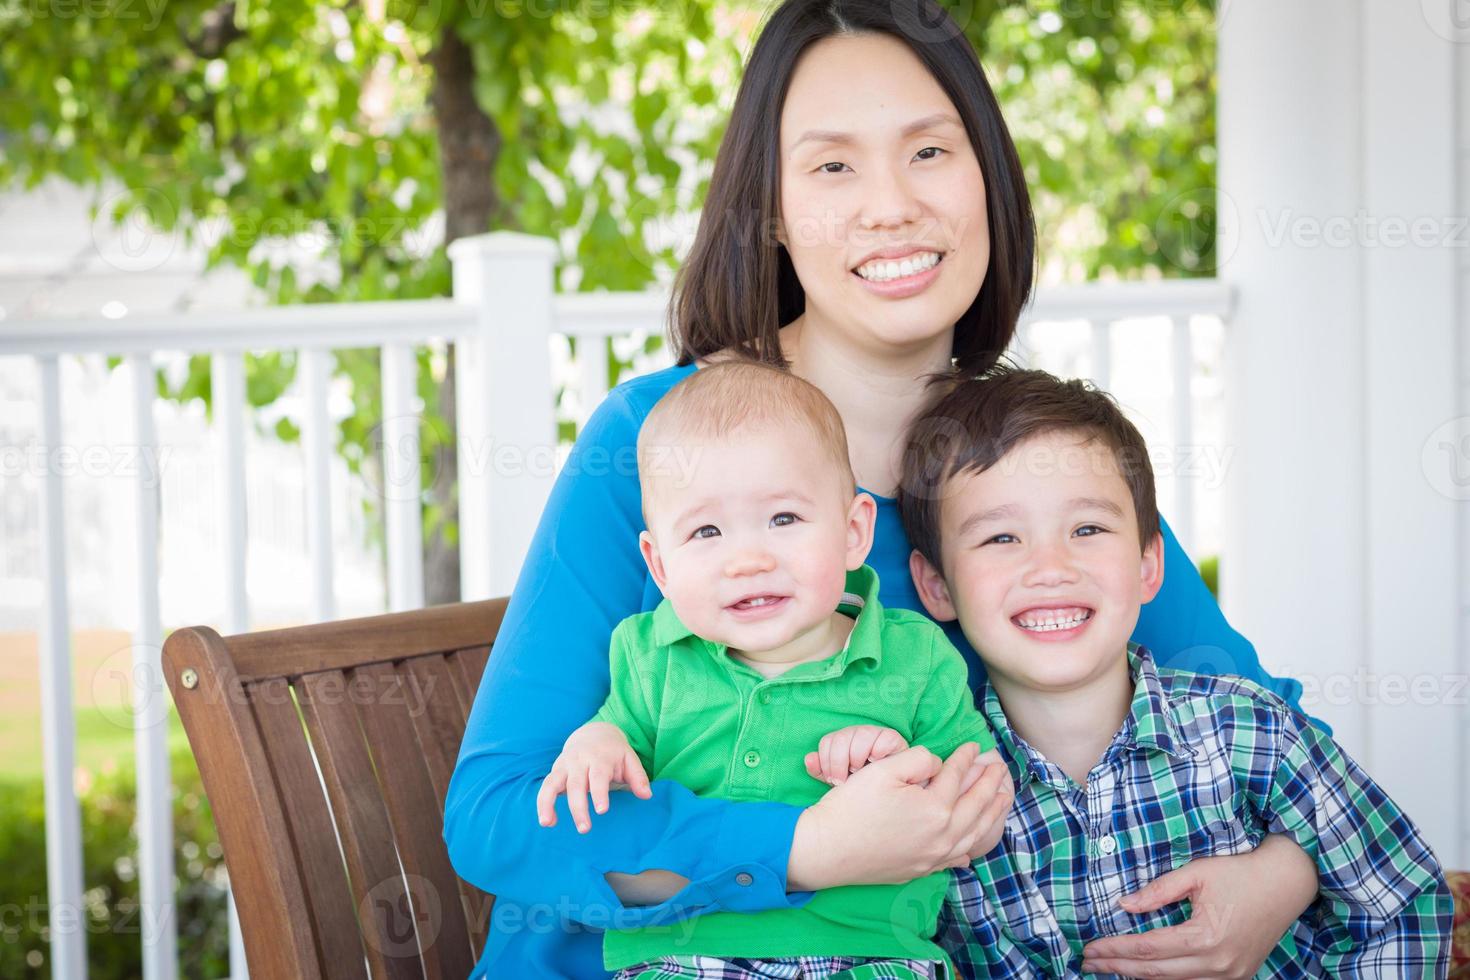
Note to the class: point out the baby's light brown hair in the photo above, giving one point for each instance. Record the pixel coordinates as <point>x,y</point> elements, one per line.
<point>730,397</point>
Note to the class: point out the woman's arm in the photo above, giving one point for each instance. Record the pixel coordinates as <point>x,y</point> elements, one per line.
<point>547,675</point>
<point>1185,630</point>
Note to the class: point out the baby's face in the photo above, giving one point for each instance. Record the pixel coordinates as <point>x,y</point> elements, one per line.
<point>753,542</point>
<point>1043,564</point>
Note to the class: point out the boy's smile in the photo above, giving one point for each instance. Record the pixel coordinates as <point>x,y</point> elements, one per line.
<point>1042,563</point>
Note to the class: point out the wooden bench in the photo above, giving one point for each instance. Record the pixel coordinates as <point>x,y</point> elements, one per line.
<point>326,752</point>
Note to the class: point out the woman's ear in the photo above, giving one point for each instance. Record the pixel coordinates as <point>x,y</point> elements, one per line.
<point>1151,570</point>
<point>933,592</point>
<point>652,558</point>
<point>862,514</point>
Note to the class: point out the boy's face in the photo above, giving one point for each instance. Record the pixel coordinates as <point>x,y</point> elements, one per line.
<point>1042,562</point>
<point>753,544</point>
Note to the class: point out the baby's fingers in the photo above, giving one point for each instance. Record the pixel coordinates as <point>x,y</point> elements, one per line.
<point>863,739</point>
<point>839,759</point>
<point>635,777</point>
<point>597,780</point>
<point>577,799</point>
<point>551,788</point>
<point>888,742</point>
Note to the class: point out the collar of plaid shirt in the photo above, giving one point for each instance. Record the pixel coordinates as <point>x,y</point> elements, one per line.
<point>1149,725</point>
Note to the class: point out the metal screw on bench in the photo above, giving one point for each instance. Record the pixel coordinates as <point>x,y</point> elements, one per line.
<point>190,678</point>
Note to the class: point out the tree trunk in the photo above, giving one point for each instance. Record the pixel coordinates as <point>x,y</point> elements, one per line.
<point>469,143</point>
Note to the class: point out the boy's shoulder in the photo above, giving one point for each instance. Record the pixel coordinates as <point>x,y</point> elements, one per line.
<point>1230,714</point>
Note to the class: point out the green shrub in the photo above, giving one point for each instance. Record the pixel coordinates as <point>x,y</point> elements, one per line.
<point>110,878</point>
<point>1209,570</point>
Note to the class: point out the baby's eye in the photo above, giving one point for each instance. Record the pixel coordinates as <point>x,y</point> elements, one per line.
<point>937,150</point>
<point>784,519</point>
<point>707,531</point>
<point>1088,530</point>
<point>1002,539</point>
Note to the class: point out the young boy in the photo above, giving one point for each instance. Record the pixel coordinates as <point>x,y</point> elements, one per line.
<point>769,637</point>
<point>1030,505</point>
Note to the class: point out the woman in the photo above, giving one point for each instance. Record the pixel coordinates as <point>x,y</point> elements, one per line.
<point>863,131</point>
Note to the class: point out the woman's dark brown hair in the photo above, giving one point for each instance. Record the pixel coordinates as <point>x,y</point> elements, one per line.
<point>738,287</point>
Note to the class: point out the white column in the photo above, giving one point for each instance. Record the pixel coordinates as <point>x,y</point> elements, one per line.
<point>507,419</point>
<point>1292,565</point>
<point>1339,559</point>
<point>1416,717</point>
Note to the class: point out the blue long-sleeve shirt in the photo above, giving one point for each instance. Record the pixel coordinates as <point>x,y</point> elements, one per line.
<point>548,674</point>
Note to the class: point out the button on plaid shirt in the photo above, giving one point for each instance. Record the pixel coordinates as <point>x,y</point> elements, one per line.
<point>1202,766</point>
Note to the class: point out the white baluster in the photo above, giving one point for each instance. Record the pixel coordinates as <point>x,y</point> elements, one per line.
<point>402,479</point>
<point>150,703</point>
<point>66,917</point>
<point>1102,353</point>
<point>227,385</point>
<point>317,446</point>
<point>1182,518</point>
<point>592,366</point>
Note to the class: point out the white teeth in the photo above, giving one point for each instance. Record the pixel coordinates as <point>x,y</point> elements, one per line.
<point>1049,622</point>
<point>881,270</point>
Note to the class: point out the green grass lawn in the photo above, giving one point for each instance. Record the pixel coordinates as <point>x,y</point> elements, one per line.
<point>104,723</point>
<point>103,742</point>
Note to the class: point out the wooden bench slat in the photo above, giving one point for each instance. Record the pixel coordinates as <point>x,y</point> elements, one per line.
<point>351,643</point>
<point>417,816</point>
<point>315,850</point>
<point>383,904</point>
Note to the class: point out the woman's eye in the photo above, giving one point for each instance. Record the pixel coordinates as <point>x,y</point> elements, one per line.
<point>937,150</point>
<point>1002,539</point>
<point>833,163</point>
<point>783,519</point>
<point>707,531</point>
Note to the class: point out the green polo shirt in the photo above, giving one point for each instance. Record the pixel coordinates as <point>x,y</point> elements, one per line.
<point>696,715</point>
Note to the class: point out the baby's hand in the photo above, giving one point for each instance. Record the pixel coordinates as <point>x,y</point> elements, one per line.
<point>597,756</point>
<point>843,752</point>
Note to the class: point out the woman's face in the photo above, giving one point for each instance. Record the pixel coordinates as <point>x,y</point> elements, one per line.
<point>874,158</point>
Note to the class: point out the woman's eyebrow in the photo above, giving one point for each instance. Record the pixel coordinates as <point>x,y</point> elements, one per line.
<point>839,137</point>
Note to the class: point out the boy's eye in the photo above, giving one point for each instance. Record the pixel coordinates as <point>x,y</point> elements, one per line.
<point>784,518</point>
<point>1088,530</point>
<point>1001,539</point>
<point>706,531</point>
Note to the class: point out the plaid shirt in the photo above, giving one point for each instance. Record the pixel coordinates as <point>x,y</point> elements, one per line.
<point>1202,766</point>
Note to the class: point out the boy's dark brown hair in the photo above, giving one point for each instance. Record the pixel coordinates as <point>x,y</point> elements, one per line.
<point>972,423</point>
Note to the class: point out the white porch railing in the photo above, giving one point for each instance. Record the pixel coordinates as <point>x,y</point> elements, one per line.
<point>504,317</point>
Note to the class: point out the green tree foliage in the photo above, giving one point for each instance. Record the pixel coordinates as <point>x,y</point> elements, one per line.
<point>367,134</point>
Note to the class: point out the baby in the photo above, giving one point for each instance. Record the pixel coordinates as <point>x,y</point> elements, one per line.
<point>769,639</point>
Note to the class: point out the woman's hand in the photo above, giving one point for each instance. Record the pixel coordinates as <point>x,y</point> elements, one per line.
<point>898,819</point>
<point>1242,904</point>
<point>596,758</point>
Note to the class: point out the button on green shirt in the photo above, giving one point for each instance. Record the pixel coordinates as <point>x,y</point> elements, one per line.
<point>698,716</point>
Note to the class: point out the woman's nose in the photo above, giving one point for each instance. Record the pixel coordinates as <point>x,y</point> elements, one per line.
<point>888,200</point>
